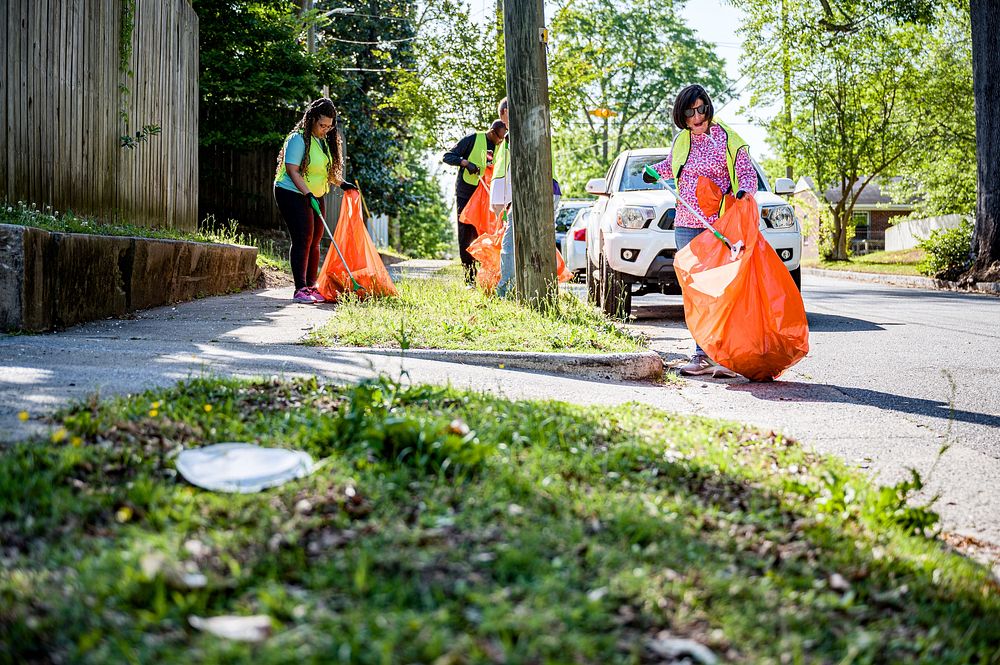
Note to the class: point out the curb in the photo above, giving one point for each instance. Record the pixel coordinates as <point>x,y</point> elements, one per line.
<point>640,366</point>
<point>911,281</point>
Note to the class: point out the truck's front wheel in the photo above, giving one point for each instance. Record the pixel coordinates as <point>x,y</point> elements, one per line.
<point>592,284</point>
<point>615,294</point>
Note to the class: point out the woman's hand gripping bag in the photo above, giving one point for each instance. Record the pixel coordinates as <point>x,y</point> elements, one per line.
<point>745,312</point>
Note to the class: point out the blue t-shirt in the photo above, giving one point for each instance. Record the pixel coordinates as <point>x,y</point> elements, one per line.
<point>295,149</point>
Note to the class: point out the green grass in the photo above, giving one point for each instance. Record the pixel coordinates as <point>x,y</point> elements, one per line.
<point>271,253</point>
<point>453,527</point>
<point>903,262</point>
<point>441,313</point>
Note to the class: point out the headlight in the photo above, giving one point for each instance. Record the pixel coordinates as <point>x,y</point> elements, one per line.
<point>778,217</point>
<point>635,217</point>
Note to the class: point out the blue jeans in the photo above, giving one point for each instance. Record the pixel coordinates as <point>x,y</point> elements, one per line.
<point>506,282</point>
<point>682,236</point>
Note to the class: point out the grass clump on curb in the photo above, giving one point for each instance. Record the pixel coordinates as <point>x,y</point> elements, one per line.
<point>269,253</point>
<point>543,532</point>
<point>902,262</point>
<point>441,313</point>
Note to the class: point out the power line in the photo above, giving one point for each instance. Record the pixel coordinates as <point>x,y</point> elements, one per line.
<point>381,41</point>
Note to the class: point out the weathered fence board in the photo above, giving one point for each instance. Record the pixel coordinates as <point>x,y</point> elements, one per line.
<point>61,104</point>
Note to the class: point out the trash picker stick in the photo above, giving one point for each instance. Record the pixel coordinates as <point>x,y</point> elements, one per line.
<point>701,218</point>
<point>354,283</point>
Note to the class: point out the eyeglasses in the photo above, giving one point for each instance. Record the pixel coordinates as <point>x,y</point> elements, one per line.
<point>700,110</point>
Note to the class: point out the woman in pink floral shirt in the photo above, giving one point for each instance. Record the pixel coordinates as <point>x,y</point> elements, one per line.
<point>715,152</point>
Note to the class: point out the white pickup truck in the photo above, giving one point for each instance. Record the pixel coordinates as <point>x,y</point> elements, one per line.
<point>630,232</point>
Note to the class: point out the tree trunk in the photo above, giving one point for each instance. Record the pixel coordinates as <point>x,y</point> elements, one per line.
<point>986,87</point>
<point>530,153</point>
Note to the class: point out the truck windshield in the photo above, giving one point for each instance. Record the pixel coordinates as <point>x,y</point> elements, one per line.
<point>632,178</point>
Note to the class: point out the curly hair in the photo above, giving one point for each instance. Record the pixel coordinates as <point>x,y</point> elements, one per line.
<point>320,108</point>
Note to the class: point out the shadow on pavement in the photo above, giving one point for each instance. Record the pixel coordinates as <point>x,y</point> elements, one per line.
<point>834,323</point>
<point>794,391</point>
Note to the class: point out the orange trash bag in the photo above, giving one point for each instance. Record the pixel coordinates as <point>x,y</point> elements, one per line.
<point>747,313</point>
<point>477,211</point>
<point>359,253</point>
<point>486,249</point>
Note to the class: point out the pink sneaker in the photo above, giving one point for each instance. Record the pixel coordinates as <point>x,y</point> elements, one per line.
<point>316,294</point>
<point>305,295</point>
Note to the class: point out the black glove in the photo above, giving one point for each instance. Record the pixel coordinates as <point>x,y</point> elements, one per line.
<point>310,197</point>
<point>347,187</point>
<point>647,178</point>
<point>740,194</point>
<point>472,168</point>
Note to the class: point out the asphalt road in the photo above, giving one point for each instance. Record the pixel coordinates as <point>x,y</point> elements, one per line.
<point>893,376</point>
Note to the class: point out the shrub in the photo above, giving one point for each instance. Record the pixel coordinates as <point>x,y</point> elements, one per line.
<point>948,252</point>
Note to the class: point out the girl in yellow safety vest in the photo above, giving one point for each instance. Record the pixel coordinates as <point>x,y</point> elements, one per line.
<point>307,164</point>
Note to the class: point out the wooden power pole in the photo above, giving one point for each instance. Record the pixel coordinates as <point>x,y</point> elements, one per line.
<point>525,40</point>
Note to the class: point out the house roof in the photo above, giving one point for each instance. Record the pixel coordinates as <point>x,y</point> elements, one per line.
<point>872,195</point>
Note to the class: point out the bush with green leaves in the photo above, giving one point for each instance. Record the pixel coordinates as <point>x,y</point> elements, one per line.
<point>948,252</point>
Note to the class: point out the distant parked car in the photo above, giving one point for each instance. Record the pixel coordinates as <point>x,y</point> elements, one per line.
<point>565,215</point>
<point>574,244</point>
<point>630,232</point>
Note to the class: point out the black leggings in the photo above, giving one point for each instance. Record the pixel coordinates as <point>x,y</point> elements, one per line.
<point>306,230</point>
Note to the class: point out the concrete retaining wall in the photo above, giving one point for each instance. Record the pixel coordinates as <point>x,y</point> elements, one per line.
<point>53,280</point>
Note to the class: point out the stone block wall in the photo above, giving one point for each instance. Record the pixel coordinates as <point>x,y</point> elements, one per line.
<point>54,280</point>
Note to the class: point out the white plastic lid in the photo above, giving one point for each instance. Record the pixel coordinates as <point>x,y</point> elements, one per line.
<point>242,467</point>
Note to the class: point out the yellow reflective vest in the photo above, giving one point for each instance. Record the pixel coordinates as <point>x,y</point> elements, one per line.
<point>477,157</point>
<point>681,150</point>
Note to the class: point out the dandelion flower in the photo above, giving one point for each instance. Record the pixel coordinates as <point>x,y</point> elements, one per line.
<point>22,416</point>
<point>153,413</point>
<point>59,435</point>
<point>76,441</point>
<point>208,407</point>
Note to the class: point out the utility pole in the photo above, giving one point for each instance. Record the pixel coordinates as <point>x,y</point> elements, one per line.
<point>525,39</point>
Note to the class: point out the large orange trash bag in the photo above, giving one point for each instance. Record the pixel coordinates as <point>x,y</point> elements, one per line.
<point>359,253</point>
<point>486,250</point>
<point>747,314</point>
<point>477,211</point>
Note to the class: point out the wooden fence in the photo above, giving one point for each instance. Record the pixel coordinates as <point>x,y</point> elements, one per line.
<point>239,184</point>
<point>61,102</point>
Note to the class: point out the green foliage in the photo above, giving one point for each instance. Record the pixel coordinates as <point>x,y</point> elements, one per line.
<point>425,227</point>
<point>141,136</point>
<point>948,252</point>
<point>459,75</point>
<point>255,74</point>
<point>579,535</point>
<point>940,177</point>
<point>430,444</point>
<point>632,58</point>
<point>852,92</point>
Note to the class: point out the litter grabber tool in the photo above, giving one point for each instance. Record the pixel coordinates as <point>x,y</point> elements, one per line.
<point>734,249</point>
<point>355,286</point>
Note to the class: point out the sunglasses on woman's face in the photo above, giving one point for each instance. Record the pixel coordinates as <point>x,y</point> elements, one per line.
<point>700,110</point>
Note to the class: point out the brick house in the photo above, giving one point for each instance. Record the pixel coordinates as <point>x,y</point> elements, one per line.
<point>872,214</point>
